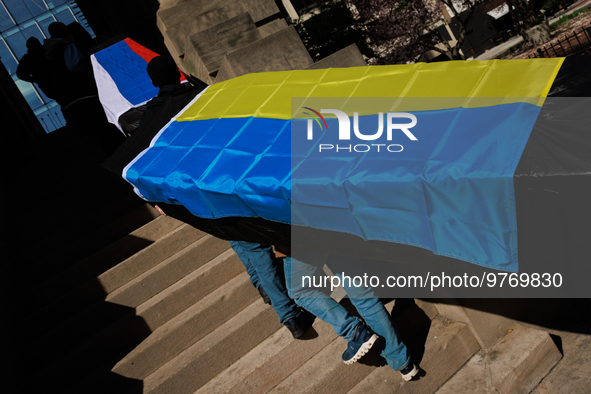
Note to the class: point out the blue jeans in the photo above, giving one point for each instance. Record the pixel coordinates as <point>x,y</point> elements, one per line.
<point>325,308</point>
<point>259,262</point>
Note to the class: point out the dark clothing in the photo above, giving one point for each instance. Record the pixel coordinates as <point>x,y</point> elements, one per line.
<point>70,71</point>
<point>34,67</point>
<point>131,120</point>
<point>164,94</point>
<point>77,93</point>
<point>143,135</point>
<point>88,116</point>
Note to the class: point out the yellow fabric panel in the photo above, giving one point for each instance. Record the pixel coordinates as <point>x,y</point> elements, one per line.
<point>269,94</point>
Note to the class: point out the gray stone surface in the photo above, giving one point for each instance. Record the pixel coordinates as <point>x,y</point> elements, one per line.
<point>94,290</point>
<point>190,290</point>
<point>260,9</point>
<point>172,243</point>
<point>188,10</point>
<point>486,326</point>
<point>346,57</point>
<point>206,49</point>
<point>172,49</point>
<point>225,72</point>
<point>428,308</point>
<point>280,51</point>
<point>472,378</point>
<point>539,34</point>
<point>180,35</point>
<point>169,271</point>
<point>571,374</point>
<point>522,359</point>
<point>215,352</point>
<point>449,345</point>
<point>187,328</point>
<point>107,257</point>
<point>185,11</point>
<point>164,4</point>
<point>514,365</point>
<point>272,27</point>
<point>273,360</point>
<point>325,373</point>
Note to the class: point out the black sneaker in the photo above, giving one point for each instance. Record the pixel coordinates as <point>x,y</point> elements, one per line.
<point>300,324</point>
<point>360,344</point>
<point>264,295</point>
<point>409,371</point>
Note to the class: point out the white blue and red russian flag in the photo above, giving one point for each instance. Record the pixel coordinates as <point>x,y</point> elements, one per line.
<point>120,73</point>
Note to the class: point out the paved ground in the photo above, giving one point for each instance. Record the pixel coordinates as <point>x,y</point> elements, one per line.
<point>572,333</point>
<point>571,374</point>
<point>502,48</point>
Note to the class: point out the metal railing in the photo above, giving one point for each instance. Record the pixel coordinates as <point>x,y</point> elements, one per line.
<point>577,42</point>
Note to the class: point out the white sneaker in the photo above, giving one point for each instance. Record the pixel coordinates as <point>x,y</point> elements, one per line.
<point>409,371</point>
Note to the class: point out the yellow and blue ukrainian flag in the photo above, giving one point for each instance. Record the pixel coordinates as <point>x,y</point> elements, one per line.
<point>230,154</point>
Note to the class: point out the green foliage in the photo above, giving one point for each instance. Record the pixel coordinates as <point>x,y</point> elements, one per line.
<point>566,18</point>
<point>553,5</point>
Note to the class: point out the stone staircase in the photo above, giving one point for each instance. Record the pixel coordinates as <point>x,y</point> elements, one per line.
<point>106,296</point>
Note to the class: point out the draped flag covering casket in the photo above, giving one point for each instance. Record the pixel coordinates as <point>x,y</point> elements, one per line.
<point>482,184</point>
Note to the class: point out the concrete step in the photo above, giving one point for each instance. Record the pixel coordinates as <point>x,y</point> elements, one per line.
<point>325,373</point>
<point>99,262</point>
<point>156,279</point>
<point>96,290</point>
<point>278,357</point>
<point>84,325</point>
<point>113,342</point>
<point>211,355</point>
<point>255,57</point>
<point>24,275</point>
<point>187,328</point>
<point>191,289</point>
<point>272,361</point>
<point>82,237</point>
<point>516,364</point>
<point>66,369</point>
<point>154,313</point>
<point>447,347</point>
<point>175,241</point>
<point>57,348</point>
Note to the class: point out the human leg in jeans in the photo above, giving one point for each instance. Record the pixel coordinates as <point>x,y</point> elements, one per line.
<point>315,301</point>
<point>359,337</point>
<point>250,270</point>
<point>376,316</point>
<point>259,262</point>
<point>370,308</point>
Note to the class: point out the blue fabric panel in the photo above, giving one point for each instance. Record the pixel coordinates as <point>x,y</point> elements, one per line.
<point>220,168</point>
<point>450,192</point>
<point>128,70</point>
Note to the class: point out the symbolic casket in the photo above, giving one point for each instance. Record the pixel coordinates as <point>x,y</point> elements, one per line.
<point>496,175</point>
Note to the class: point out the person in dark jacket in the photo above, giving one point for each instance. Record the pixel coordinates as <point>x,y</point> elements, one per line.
<point>259,260</point>
<point>35,68</point>
<point>77,93</point>
<point>164,75</point>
